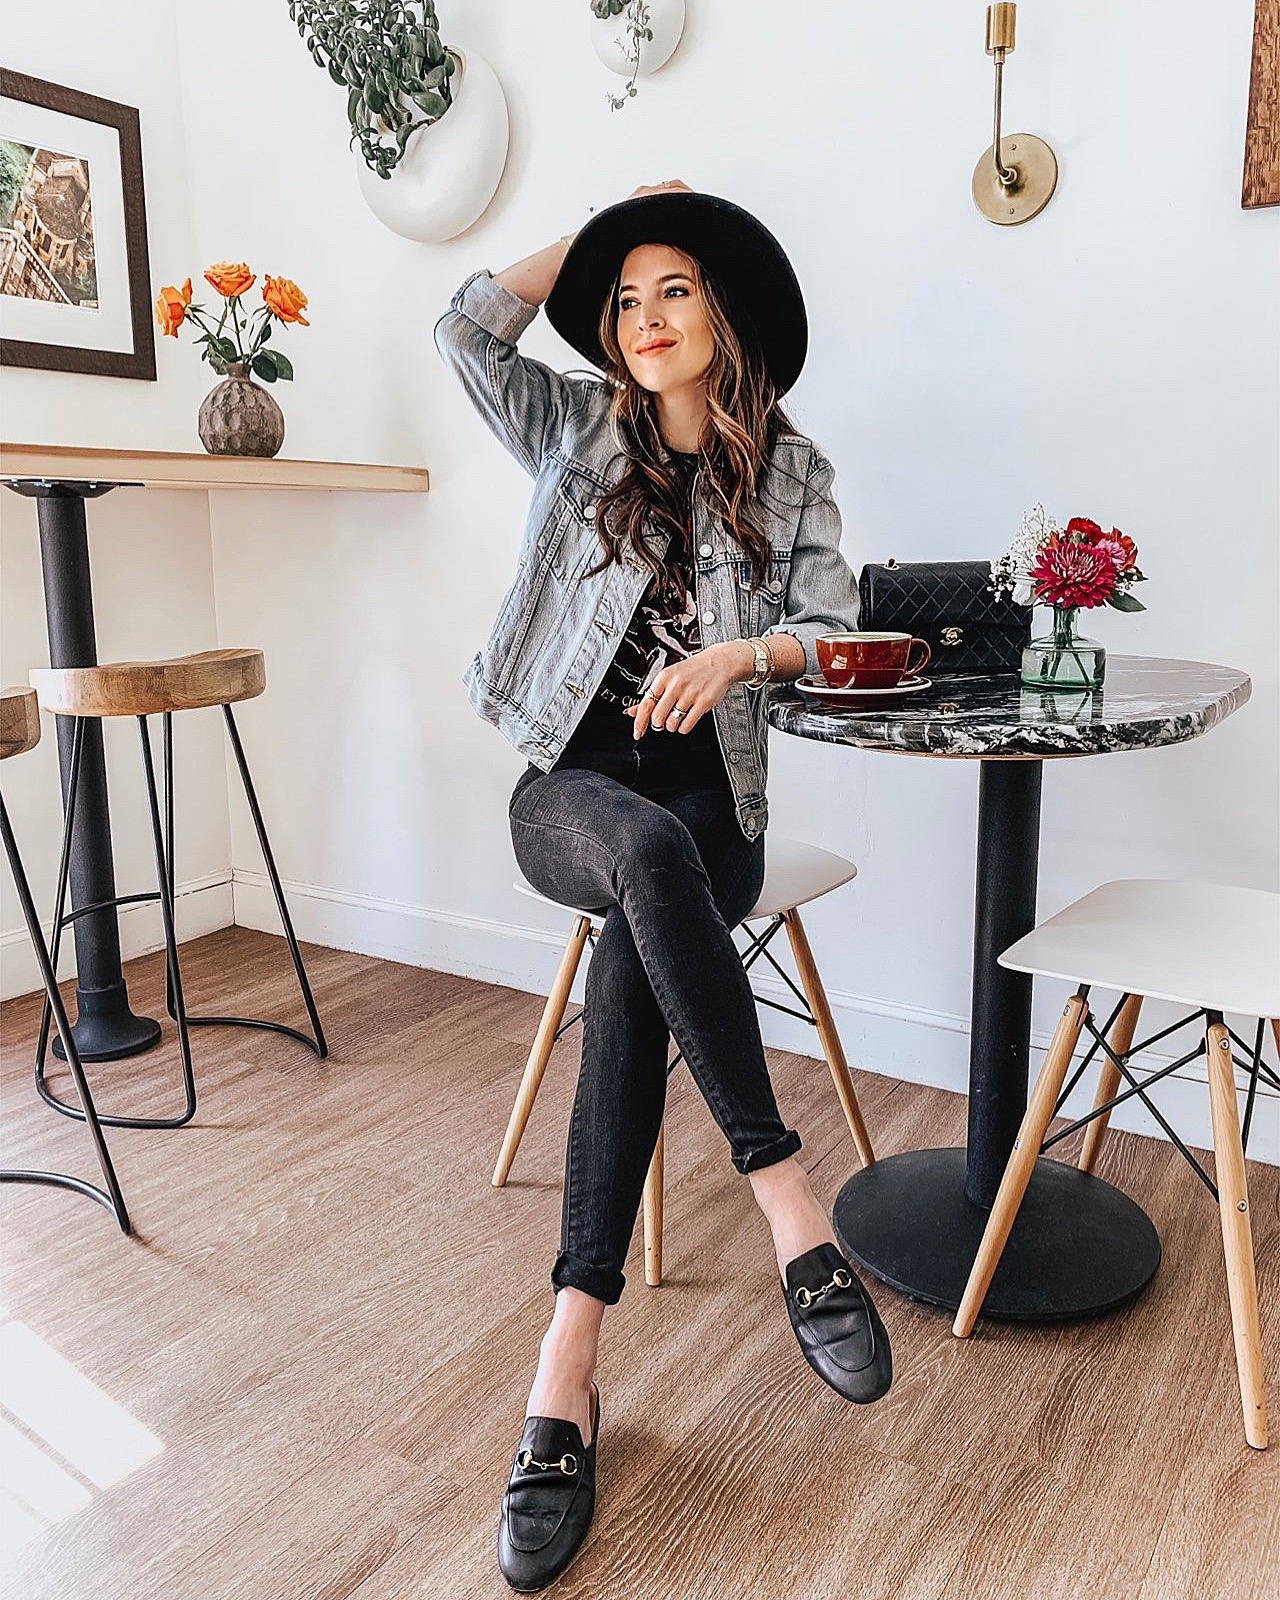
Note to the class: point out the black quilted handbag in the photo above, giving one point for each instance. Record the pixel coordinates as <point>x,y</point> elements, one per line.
<point>950,604</point>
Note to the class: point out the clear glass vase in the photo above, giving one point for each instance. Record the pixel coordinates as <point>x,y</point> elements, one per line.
<point>1063,659</point>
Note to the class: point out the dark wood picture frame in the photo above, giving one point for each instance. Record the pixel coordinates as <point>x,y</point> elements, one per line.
<point>1261,185</point>
<point>140,361</point>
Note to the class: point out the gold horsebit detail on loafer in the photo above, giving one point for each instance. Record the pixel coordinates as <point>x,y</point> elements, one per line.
<point>840,1279</point>
<point>567,1464</point>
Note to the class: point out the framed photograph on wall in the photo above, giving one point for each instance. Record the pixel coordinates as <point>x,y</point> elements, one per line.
<point>74,275</point>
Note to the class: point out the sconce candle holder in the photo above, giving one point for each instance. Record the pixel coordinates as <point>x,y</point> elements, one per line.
<point>1015,178</point>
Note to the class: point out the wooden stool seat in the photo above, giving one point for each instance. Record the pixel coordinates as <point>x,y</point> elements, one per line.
<point>145,688</point>
<point>19,722</point>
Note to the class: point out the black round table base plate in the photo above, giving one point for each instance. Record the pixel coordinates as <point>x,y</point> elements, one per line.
<point>1078,1248</point>
<point>111,1037</point>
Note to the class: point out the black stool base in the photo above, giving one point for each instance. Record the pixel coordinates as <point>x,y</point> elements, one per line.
<point>106,1030</point>
<point>1078,1248</point>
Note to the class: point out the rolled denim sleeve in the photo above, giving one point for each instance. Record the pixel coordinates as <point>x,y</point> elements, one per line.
<point>524,402</point>
<point>822,592</point>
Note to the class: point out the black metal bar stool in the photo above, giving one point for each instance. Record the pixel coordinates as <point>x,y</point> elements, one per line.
<point>143,689</point>
<point>19,732</point>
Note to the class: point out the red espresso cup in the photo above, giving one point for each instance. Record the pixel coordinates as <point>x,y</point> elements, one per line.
<point>870,660</point>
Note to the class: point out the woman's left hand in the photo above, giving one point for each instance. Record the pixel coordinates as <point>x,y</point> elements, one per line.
<point>681,694</point>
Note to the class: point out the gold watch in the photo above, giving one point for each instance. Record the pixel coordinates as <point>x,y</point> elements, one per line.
<point>763,664</point>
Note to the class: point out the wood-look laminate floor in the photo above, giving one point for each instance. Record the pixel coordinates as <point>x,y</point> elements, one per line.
<point>314,1356</point>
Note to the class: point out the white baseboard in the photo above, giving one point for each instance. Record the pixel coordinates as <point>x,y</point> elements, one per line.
<point>910,1043</point>
<point>203,905</point>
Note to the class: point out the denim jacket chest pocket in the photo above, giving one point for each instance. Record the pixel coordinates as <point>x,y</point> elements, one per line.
<point>541,601</point>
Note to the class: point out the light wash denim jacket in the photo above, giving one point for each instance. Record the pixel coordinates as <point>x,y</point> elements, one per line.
<point>558,629</point>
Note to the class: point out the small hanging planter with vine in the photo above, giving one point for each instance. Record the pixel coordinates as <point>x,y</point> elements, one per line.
<point>430,119</point>
<point>634,38</point>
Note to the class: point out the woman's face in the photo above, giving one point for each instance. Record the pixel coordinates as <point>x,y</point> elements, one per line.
<point>662,325</point>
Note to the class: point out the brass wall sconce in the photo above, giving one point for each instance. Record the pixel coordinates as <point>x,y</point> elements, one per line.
<point>1015,179</point>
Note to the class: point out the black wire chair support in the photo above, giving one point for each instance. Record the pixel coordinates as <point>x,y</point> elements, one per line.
<point>109,1196</point>
<point>1249,1061</point>
<point>757,945</point>
<point>162,834</point>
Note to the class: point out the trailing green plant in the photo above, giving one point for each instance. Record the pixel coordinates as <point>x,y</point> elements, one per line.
<point>389,57</point>
<point>638,31</point>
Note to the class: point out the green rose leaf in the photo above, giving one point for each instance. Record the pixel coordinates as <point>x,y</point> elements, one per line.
<point>284,367</point>
<point>264,364</point>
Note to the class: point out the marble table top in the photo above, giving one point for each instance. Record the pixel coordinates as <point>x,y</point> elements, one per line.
<point>1144,702</point>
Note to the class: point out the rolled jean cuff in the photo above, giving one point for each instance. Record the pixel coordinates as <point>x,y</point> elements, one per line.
<point>770,1154</point>
<point>601,1283</point>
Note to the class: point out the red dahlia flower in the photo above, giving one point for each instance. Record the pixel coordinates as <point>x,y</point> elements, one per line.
<point>1071,572</point>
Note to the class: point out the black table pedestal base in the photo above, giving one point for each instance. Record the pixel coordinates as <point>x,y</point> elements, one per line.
<point>1078,1248</point>
<point>106,1029</point>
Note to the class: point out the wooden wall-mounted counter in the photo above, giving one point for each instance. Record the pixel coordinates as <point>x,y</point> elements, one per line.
<point>164,469</point>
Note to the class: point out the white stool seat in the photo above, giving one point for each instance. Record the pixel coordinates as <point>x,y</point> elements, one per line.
<point>1207,945</point>
<point>794,874</point>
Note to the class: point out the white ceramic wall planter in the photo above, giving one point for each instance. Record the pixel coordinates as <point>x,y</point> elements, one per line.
<point>609,38</point>
<point>451,170</point>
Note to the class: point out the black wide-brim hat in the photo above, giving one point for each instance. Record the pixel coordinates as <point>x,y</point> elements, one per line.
<point>740,253</point>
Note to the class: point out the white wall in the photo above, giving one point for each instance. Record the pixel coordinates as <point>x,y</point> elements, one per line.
<point>1119,357</point>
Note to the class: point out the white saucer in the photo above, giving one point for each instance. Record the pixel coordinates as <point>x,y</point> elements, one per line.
<point>817,690</point>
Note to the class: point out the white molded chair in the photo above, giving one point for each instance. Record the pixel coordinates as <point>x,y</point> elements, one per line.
<point>1199,944</point>
<point>795,874</point>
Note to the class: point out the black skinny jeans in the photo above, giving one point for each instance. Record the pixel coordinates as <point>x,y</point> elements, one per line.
<point>645,831</point>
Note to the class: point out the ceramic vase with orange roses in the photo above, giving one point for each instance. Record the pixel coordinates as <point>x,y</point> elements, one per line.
<point>238,417</point>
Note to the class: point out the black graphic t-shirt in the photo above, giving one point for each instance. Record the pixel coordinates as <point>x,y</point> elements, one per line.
<point>665,625</point>
<point>663,629</point>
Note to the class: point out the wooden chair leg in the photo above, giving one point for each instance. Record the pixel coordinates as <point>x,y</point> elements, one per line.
<point>1275,1033</point>
<point>552,1013</point>
<point>1109,1081</point>
<point>1017,1175</point>
<point>832,1049</point>
<point>1237,1236</point>
<point>653,1212</point>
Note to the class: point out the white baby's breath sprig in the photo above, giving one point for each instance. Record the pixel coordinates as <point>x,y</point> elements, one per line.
<point>1011,574</point>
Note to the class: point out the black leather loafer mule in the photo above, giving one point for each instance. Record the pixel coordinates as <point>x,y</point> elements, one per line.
<point>840,1334</point>
<point>547,1505</point>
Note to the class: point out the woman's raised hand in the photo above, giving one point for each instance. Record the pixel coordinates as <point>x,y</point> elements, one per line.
<point>660,188</point>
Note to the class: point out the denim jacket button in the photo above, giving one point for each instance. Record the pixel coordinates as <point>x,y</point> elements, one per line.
<point>708,617</point>
<point>589,511</point>
<point>704,550</point>
<point>776,585</point>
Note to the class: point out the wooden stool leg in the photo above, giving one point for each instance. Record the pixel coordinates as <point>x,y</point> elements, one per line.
<point>1109,1081</point>
<point>832,1049</point>
<point>653,1212</point>
<point>1237,1236</point>
<point>536,1065</point>
<point>1017,1175</point>
<point>1275,1033</point>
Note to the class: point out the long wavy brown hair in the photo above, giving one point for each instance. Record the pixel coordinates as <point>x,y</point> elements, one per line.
<point>744,421</point>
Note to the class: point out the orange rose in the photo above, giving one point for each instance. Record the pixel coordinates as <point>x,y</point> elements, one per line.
<point>230,278</point>
<point>171,307</point>
<point>285,300</point>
